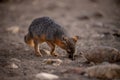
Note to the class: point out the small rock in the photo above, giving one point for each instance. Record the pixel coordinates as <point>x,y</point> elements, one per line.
<point>12,65</point>
<point>108,71</point>
<point>55,62</point>
<point>13,29</point>
<point>15,60</point>
<point>46,76</point>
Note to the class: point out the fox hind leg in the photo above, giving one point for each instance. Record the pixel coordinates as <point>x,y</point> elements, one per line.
<point>36,48</point>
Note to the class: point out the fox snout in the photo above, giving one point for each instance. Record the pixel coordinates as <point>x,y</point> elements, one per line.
<point>70,46</point>
<point>71,56</point>
<point>71,52</point>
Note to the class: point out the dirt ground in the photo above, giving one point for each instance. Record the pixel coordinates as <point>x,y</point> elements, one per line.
<point>97,22</point>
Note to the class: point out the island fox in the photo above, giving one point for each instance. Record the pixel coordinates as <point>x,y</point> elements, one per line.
<point>45,29</point>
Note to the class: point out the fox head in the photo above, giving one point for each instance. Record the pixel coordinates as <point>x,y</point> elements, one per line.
<point>69,45</point>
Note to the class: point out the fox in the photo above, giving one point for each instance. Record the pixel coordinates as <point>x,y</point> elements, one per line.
<point>45,29</point>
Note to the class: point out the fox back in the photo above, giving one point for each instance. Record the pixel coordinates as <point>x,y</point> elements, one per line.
<point>48,27</point>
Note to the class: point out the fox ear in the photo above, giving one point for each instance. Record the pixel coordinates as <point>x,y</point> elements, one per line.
<point>75,38</point>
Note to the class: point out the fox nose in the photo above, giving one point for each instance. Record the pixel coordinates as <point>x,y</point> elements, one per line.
<point>71,57</point>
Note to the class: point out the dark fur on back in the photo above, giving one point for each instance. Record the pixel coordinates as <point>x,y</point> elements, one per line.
<point>48,27</point>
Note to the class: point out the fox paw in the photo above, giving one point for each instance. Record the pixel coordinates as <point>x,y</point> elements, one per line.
<point>38,54</point>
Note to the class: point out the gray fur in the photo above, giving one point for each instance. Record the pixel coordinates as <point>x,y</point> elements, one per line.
<point>48,27</point>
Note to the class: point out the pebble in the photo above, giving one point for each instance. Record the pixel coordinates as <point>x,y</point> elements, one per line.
<point>55,62</point>
<point>15,60</point>
<point>46,76</point>
<point>12,65</point>
<point>13,29</point>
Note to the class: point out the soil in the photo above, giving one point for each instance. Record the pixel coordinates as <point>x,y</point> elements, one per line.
<point>97,22</point>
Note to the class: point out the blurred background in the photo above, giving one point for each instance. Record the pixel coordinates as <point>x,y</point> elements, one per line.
<point>97,22</point>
